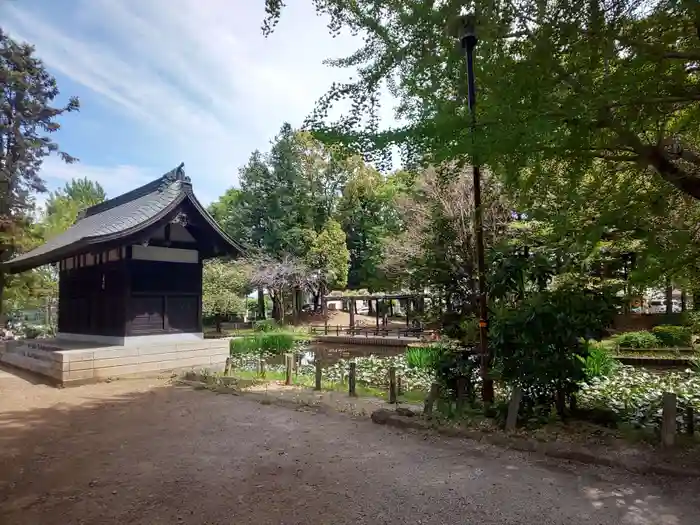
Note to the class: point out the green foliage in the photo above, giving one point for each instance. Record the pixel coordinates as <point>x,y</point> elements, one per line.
<point>64,205</point>
<point>669,335</point>
<point>367,210</point>
<point>586,116</point>
<point>635,394</point>
<point>598,361</point>
<point>570,84</point>
<point>263,344</point>
<point>424,357</point>
<point>265,325</point>
<point>224,287</point>
<point>26,138</point>
<point>329,256</point>
<point>641,339</point>
<point>692,321</point>
<point>540,344</point>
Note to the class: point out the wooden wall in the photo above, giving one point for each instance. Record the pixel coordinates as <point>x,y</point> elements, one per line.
<point>165,297</point>
<point>92,299</point>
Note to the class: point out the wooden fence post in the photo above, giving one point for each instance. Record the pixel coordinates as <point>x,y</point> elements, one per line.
<point>288,369</point>
<point>392,384</point>
<point>461,388</point>
<point>317,362</point>
<point>430,400</point>
<point>513,407</point>
<point>351,379</point>
<point>668,421</point>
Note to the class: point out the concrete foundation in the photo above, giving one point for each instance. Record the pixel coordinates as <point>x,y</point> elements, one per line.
<point>72,362</point>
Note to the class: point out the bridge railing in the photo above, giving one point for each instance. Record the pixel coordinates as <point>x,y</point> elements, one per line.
<point>366,331</point>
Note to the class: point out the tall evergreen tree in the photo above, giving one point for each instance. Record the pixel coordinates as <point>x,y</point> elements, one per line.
<point>28,119</point>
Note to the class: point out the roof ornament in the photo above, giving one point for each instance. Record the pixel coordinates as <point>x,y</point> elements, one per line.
<point>176,175</point>
<point>181,219</point>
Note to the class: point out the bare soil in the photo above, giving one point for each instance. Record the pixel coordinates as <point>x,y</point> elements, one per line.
<point>149,453</point>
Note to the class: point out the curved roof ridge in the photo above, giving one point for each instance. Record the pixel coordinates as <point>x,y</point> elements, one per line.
<point>161,183</point>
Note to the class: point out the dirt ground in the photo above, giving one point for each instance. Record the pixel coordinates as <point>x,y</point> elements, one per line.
<point>149,453</point>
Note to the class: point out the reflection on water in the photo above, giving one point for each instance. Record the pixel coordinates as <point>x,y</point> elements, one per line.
<point>330,353</point>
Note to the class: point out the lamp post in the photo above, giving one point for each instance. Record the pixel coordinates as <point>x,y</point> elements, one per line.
<point>464,31</point>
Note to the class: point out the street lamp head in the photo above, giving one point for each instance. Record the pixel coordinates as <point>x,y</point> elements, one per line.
<point>463,28</point>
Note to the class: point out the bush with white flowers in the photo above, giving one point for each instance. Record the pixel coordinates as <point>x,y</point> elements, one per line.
<point>635,394</point>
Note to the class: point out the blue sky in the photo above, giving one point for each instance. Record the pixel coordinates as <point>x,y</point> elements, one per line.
<point>169,81</point>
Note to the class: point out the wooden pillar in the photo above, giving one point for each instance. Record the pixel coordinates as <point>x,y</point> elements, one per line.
<point>668,419</point>
<point>324,309</point>
<point>352,314</point>
<point>376,310</point>
<point>317,377</point>
<point>408,312</point>
<point>288,361</point>
<point>352,377</point>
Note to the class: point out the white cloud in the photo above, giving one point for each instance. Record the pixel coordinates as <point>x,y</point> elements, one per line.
<point>198,72</point>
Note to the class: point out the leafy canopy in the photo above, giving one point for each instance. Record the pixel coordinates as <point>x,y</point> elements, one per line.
<point>578,82</point>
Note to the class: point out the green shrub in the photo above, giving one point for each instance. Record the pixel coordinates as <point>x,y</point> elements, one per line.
<point>599,362</point>
<point>423,357</point>
<point>641,339</point>
<point>669,335</point>
<point>265,325</point>
<point>539,344</point>
<point>274,343</point>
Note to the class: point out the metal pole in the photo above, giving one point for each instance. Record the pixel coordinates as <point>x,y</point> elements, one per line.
<point>468,41</point>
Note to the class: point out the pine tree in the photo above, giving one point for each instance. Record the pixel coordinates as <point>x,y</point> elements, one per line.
<point>27,122</point>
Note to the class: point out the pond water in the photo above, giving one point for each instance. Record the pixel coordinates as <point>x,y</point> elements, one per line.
<point>331,353</point>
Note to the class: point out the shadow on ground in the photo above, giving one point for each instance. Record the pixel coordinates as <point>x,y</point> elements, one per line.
<point>146,453</point>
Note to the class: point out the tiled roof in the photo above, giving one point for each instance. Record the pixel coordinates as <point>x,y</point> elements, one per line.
<point>114,218</point>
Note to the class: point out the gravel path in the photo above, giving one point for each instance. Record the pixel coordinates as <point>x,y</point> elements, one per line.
<point>141,452</point>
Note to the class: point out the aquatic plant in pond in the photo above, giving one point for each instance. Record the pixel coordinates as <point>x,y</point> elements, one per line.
<point>274,343</point>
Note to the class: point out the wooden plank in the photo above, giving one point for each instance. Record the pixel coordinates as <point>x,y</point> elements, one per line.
<point>352,376</point>
<point>392,384</point>
<point>668,419</point>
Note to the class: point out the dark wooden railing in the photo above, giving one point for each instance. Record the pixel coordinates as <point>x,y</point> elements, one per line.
<point>367,331</point>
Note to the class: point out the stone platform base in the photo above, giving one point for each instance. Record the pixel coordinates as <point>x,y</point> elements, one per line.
<point>72,363</point>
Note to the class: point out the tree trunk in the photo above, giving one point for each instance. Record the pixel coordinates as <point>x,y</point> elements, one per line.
<point>370,308</point>
<point>261,304</point>
<point>277,307</point>
<point>669,296</point>
<point>317,301</point>
<point>684,301</point>
<point>217,320</point>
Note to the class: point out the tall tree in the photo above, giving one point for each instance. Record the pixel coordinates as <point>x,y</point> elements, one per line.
<point>579,82</point>
<point>225,286</point>
<point>27,121</point>
<point>83,192</point>
<point>64,205</point>
<point>367,213</point>
<point>229,213</point>
<point>328,258</point>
